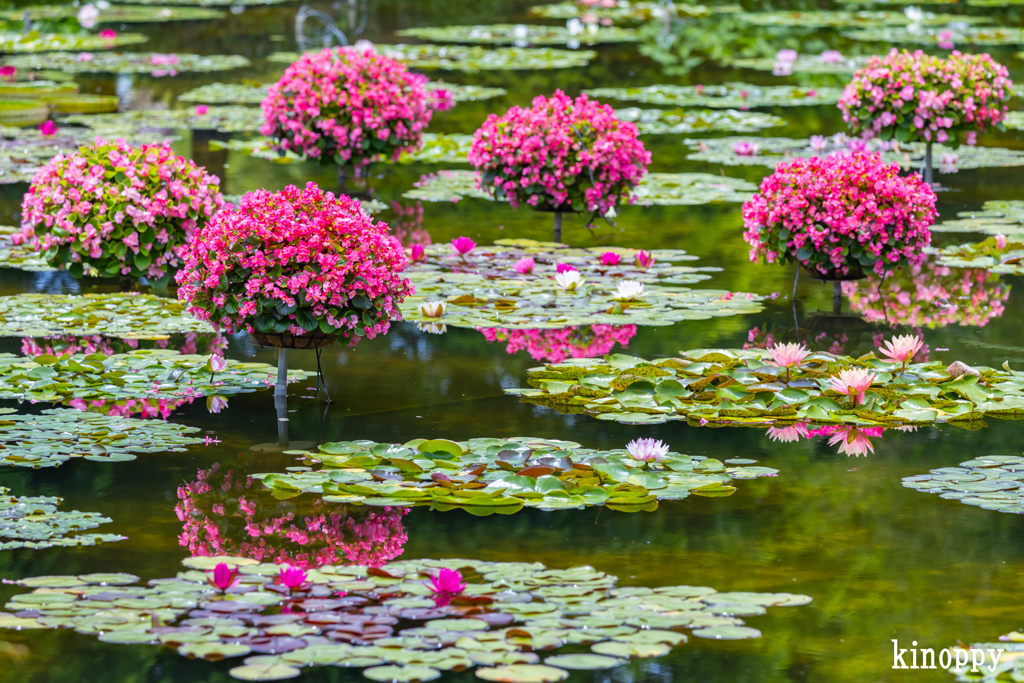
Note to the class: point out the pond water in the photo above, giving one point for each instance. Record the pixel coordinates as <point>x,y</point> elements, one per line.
<point>880,560</point>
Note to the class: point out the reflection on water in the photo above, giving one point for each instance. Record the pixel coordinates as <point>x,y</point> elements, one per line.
<point>554,346</point>
<point>188,343</point>
<point>930,295</point>
<point>850,440</point>
<point>224,513</point>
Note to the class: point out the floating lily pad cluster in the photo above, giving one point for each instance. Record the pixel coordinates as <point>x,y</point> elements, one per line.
<point>661,121</point>
<point>114,14</point>
<point>141,374</point>
<point>992,482</point>
<point>974,35</point>
<point>663,189</point>
<point>522,34</point>
<point>484,290</point>
<point>996,217</point>
<point>227,119</point>
<point>726,96</point>
<point>637,11</point>
<point>210,3</point>
<point>34,522</point>
<point>730,386</point>
<point>249,93</point>
<point>129,316</point>
<point>388,621</point>
<point>854,19</point>
<point>770,151</point>
<point>33,42</point>
<point>807,64</point>
<point>152,63</point>
<point>449,148</point>
<point>1014,120</point>
<point>474,58</point>
<point>1006,258</point>
<point>55,436</point>
<point>488,476</point>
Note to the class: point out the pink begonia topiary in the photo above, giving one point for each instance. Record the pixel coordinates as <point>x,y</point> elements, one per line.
<point>122,209</point>
<point>917,97</point>
<point>840,216</point>
<point>560,154</point>
<point>930,295</point>
<point>295,261</point>
<point>347,106</point>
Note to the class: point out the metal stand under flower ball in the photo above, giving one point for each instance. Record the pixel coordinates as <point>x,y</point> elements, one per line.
<point>296,269</point>
<point>559,155</point>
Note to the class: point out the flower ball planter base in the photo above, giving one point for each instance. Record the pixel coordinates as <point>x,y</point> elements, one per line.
<point>856,273</point>
<point>286,340</point>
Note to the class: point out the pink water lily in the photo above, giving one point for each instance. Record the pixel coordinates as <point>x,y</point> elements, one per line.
<point>851,441</point>
<point>292,578</point>
<point>647,450</point>
<point>853,383</point>
<point>108,34</point>
<point>610,258</point>
<point>743,148</point>
<point>788,356</point>
<point>902,349</point>
<point>442,99</point>
<point>216,364</point>
<point>222,577</point>
<point>201,110</point>
<point>793,432</point>
<point>447,582</point>
<point>7,72</point>
<point>48,128</point>
<point>417,253</point>
<point>215,404</point>
<point>1000,242</point>
<point>644,259</point>
<point>564,268</point>
<point>525,265</point>
<point>463,245</point>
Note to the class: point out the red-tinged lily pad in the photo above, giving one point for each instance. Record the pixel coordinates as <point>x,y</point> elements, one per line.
<point>523,673</point>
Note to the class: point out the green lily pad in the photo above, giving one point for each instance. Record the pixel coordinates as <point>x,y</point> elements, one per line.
<point>401,674</point>
<point>35,523</point>
<point>523,673</point>
<point>727,633</point>
<point>987,255</point>
<point>252,93</point>
<point>228,119</point>
<point>34,41</point>
<point>726,96</point>
<point>54,436</point>
<point>803,64</point>
<point>737,151</point>
<point>128,316</point>
<point>727,386</point>
<point>996,217</point>
<point>154,64</point>
<point>668,189</point>
<point>633,11</point>
<point>517,608</point>
<point>990,482</point>
<point>680,121</point>
<point>264,672</point>
<point>584,662</point>
<point>487,476</point>
<point>934,35</point>
<point>854,19</point>
<point>114,14</point>
<point>522,35</point>
<point>142,374</point>
<point>474,58</point>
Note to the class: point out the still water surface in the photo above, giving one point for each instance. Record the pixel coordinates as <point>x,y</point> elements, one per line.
<point>881,561</point>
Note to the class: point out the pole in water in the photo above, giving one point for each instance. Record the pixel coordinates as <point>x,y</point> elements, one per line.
<point>558,226</point>
<point>837,297</point>
<point>281,397</point>
<point>281,386</point>
<point>928,163</point>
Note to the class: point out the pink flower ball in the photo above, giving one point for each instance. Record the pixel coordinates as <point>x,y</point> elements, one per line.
<point>295,261</point>
<point>559,153</point>
<point>841,214</point>
<point>347,106</point>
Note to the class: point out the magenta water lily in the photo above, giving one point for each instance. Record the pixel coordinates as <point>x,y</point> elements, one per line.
<point>223,577</point>
<point>447,582</point>
<point>292,578</point>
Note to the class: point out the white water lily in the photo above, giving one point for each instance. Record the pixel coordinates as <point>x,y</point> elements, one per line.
<point>570,280</point>
<point>629,289</point>
<point>647,450</point>
<point>433,309</point>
